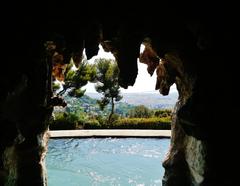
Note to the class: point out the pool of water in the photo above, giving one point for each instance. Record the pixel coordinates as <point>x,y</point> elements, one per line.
<point>106,161</point>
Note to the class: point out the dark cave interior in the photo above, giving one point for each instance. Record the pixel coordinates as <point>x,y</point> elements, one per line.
<point>197,43</point>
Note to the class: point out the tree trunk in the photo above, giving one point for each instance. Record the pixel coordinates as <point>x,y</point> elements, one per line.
<point>112,112</point>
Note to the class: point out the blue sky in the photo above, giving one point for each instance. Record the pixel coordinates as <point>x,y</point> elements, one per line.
<point>143,83</point>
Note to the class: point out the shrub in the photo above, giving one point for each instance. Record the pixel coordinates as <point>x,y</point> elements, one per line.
<point>101,119</point>
<point>64,121</point>
<point>70,121</point>
<point>62,125</point>
<point>114,117</point>
<point>143,123</point>
<point>140,111</point>
<point>163,113</point>
<point>92,124</point>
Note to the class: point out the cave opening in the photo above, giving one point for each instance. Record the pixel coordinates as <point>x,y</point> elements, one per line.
<point>197,45</point>
<point>88,86</point>
<point>141,102</point>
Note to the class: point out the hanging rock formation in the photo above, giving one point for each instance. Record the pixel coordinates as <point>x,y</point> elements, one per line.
<point>196,45</point>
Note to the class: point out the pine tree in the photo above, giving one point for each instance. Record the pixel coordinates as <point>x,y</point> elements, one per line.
<point>76,79</point>
<point>107,84</point>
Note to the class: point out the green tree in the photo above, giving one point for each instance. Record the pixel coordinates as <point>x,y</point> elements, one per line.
<point>107,84</point>
<point>163,113</point>
<point>140,112</point>
<point>76,79</point>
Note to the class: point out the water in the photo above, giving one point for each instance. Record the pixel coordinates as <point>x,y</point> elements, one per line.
<point>106,161</point>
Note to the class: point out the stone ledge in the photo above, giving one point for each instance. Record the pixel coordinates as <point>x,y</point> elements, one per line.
<point>110,133</point>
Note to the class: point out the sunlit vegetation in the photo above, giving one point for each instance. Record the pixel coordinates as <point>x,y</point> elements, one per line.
<point>83,112</point>
<point>76,79</point>
<point>107,84</point>
<point>79,118</point>
<point>143,123</point>
<point>140,112</point>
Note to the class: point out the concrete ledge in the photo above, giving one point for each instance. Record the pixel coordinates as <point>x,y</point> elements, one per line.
<point>110,133</point>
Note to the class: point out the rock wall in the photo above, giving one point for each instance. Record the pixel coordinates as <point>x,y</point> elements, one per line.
<point>24,114</point>
<point>198,52</point>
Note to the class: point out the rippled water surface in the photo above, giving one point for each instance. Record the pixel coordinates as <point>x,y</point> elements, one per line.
<point>106,161</point>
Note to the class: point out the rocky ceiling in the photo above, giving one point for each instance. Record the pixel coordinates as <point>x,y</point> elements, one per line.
<point>197,45</point>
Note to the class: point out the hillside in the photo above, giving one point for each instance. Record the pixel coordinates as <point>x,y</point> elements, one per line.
<point>89,104</point>
<point>150,100</point>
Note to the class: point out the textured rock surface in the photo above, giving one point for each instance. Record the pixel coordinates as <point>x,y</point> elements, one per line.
<point>149,57</point>
<point>196,44</point>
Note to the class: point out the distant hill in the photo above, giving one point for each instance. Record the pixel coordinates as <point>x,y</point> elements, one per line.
<point>89,104</point>
<point>150,100</point>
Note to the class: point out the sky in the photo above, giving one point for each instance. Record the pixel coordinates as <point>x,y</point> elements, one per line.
<point>144,82</point>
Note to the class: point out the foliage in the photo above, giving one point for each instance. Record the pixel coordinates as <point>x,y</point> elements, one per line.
<point>143,123</point>
<point>76,79</point>
<point>123,108</point>
<point>92,124</point>
<point>67,121</point>
<point>56,86</point>
<point>107,83</point>
<point>140,111</point>
<point>89,105</point>
<point>132,123</point>
<point>101,119</point>
<point>114,118</point>
<point>163,113</point>
<point>64,121</point>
